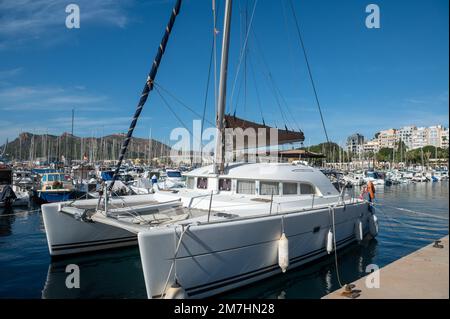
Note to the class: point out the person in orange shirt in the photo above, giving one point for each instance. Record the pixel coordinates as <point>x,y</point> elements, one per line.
<point>371,191</point>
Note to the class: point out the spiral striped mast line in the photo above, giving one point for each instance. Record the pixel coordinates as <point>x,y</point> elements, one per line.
<point>147,88</point>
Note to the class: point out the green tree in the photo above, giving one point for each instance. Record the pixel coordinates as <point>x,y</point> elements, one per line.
<point>385,154</point>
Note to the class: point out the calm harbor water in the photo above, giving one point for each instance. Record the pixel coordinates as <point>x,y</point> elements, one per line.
<point>26,270</point>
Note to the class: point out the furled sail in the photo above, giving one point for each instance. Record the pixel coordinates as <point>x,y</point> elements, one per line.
<point>284,136</point>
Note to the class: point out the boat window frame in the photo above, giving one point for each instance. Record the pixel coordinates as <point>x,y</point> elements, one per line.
<point>272,182</point>
<point>297,188</point>
<point>194,182</point>
<point>314,189</point>
<point>246,180</point>
<point>230,183</point>
<point>205,179</point>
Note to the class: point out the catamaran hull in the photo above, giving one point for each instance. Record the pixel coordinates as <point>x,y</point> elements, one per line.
<point>217,257</point>
<point>67,235</point>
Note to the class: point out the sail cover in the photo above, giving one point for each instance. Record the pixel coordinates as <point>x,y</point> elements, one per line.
<point>284,136</point>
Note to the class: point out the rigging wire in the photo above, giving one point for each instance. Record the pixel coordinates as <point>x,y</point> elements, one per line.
<point>271,81</point>
<point>291,52</point>
<point>287,106</point>
<point>157,89</point>
<point>243,50</point>
<point>212,60</point>
<point>258,98</point>
<point>178,100</point>
<point>242,86</point>
<point>206,94</point>
<point>171,110</point>
<point>215,32</point>
<point>309,68</point>
<point>275,88</point>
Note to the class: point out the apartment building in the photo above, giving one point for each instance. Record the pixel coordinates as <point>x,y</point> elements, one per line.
<point>387,138</point>
<point>404,134</point>
<point>354,143</point>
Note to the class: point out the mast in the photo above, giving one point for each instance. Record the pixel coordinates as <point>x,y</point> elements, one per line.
<point>148,87</point>
<point>220,140</point>
<point>71,140</point>
<point>150,147</point>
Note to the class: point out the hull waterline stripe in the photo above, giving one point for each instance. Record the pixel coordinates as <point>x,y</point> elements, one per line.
<point>94,243</point>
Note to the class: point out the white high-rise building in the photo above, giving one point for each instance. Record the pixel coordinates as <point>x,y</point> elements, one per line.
<point>434,135</point>
<point>405,135</point>
<point>419,137</point>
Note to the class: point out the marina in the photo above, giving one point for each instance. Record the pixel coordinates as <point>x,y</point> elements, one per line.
<point>29,272</point>
<point>237,205</point>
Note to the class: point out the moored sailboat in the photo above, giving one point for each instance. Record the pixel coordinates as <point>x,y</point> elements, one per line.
<point>234,223</point>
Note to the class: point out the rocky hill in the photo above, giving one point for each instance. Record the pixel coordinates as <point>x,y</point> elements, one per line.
<point>29,146</point>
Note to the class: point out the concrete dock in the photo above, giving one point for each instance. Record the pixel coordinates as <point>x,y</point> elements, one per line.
<point>423,274</point>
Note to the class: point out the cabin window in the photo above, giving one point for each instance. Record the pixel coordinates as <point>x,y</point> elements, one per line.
<point>269,188</point>
<point>290,188</point>
<point>202,182</point>
<point>190,182</point>
<point>225,184</point>
<point>245,187</point>
<point>174,174</point>
<point>307,189</point>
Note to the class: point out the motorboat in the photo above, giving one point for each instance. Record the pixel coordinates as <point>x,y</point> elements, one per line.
<point>55,187</point>
<point>374,177</point>
<point>11,196</point>
<point>171,178</point>
<point>356,179</point>
<point>420,177</point>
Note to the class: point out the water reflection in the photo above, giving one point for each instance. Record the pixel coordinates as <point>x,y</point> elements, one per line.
<point>7,218</point>
<point>114,274</point>
<point>26,270</point>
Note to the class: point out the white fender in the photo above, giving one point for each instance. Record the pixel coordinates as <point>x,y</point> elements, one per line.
<point>330,242</point>
<point>359,233</point>
<point>283,252</point>
<point>373,225</point>
<point>175,292</point>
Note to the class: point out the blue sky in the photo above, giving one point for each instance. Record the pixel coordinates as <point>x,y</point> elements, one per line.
<point>367,79</point>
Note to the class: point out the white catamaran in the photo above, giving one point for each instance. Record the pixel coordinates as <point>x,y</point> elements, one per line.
<point>232,225</point>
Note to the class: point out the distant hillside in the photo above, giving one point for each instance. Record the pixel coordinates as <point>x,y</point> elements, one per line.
<point>30,146</point>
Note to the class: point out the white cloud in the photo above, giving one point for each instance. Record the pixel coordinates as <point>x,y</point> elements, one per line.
<point>22,21</point>
<point>49,98</point>
<point>119,123</point>
<point>6,74</point>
